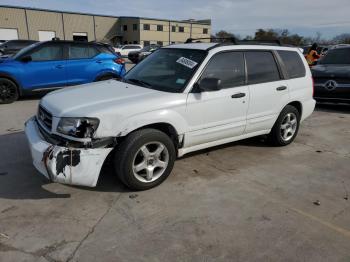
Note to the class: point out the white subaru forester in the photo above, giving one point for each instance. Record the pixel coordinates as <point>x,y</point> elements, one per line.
<point>182,98</point>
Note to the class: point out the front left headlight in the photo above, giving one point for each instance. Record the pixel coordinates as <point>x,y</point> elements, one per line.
<point>83,127</point>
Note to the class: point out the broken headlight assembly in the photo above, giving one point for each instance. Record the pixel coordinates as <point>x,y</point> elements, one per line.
<point>78,127</point>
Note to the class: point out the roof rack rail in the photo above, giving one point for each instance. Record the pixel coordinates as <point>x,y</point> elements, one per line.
<point>198,40</point>
<point>235,41</point>
<point>261,42</point>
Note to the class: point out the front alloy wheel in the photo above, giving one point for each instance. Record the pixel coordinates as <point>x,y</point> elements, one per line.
<point>144,159</point>
<point>8,91</point>
<point>150,162</point>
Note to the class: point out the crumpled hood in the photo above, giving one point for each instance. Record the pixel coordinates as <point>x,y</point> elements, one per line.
<point>100,98</point>
<point>339,71</point>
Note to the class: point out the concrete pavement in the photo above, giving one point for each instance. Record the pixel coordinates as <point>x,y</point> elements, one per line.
<point>244,201</point>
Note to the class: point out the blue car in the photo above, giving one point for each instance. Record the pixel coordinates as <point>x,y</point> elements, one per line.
<point>55,64</point>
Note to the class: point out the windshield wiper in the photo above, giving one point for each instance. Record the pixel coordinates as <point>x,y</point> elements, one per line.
<point>140,82</point>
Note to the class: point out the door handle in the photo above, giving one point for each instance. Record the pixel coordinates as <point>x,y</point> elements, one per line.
<point>238,95</point>
<point>59,66</point>
<point>281,88</point>
<point>99,62</point>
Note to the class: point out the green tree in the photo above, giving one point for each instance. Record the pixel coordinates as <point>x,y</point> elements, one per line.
<point>283,35</point>
<point>225,34</point>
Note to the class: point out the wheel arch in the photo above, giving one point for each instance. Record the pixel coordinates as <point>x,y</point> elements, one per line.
<point>298,105</point>
<point>106,73</point>
<point>9,77</point>
<point>164,127</point>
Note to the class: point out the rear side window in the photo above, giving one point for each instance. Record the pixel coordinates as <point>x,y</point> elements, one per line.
<point>293,63</point>
<point>82,52</point>
<point>228,67</point>
<point>48,53</point>
<point>261,67</point>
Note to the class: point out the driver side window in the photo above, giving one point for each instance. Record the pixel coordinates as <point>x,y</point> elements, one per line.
<point>228,67</point>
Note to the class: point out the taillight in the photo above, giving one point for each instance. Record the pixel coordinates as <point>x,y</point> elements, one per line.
<point>119,61</point>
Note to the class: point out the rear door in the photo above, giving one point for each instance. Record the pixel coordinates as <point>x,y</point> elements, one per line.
<point>82,64</point>
<point>219,114</point>
<point>46,69</point>
<point>268,90</point>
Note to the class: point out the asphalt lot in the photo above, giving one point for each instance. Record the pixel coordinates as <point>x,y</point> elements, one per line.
<point>244,201</point>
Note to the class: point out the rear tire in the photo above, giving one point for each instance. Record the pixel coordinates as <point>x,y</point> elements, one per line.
<point>8,91</point>
<point>144,159</point>
<point>286,127</point>
<point>107,77</point>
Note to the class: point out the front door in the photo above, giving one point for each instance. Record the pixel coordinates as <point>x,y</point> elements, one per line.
<point>46,68</point>
<point>221,114</point>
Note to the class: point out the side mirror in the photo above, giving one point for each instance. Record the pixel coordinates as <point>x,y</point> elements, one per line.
<point>209,84</point>
<point>26,59</point>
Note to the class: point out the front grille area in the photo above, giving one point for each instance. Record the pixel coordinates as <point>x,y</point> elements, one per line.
<point>323,80</point>
<point>45,118</point>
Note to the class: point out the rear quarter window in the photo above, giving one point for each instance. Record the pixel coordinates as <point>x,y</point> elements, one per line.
<point>292,63</point>
<point>105,50</point>
<point>78,51</point>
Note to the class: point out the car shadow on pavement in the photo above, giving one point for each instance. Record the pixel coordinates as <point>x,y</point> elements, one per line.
<point>20,180</point>
<point>259,141</point>
<point>18,177</point>
<point>333,108</point>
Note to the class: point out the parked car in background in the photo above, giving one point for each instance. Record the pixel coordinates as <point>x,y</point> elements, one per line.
<point>340,46</point>
<point>11,47</point>
<point>181,99</point>
<point>50,65</point>
<point>125,49</point>
<point>332,76</point>
<point>137,56</point>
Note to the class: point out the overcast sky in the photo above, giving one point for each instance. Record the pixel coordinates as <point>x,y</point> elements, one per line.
<point>305,17</point>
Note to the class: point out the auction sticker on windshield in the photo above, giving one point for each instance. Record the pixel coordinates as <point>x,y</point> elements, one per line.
<point>186,62</point>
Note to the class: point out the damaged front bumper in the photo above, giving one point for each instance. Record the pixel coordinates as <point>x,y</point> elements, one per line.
<point>65,164</point>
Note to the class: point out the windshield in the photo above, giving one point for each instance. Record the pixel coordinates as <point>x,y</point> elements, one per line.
<point>167,69</point>
<point>339,56</point>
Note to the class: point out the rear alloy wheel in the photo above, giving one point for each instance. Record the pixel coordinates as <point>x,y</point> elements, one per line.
<point>286,127</point>
<point>8,91</point>
<point>107,77</point>
<point>144,159</point>
<point>289,126</point>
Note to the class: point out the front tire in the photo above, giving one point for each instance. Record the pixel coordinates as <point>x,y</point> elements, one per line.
<point>286,127</point>
<point>8,91</point>
<point>144,159</point>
